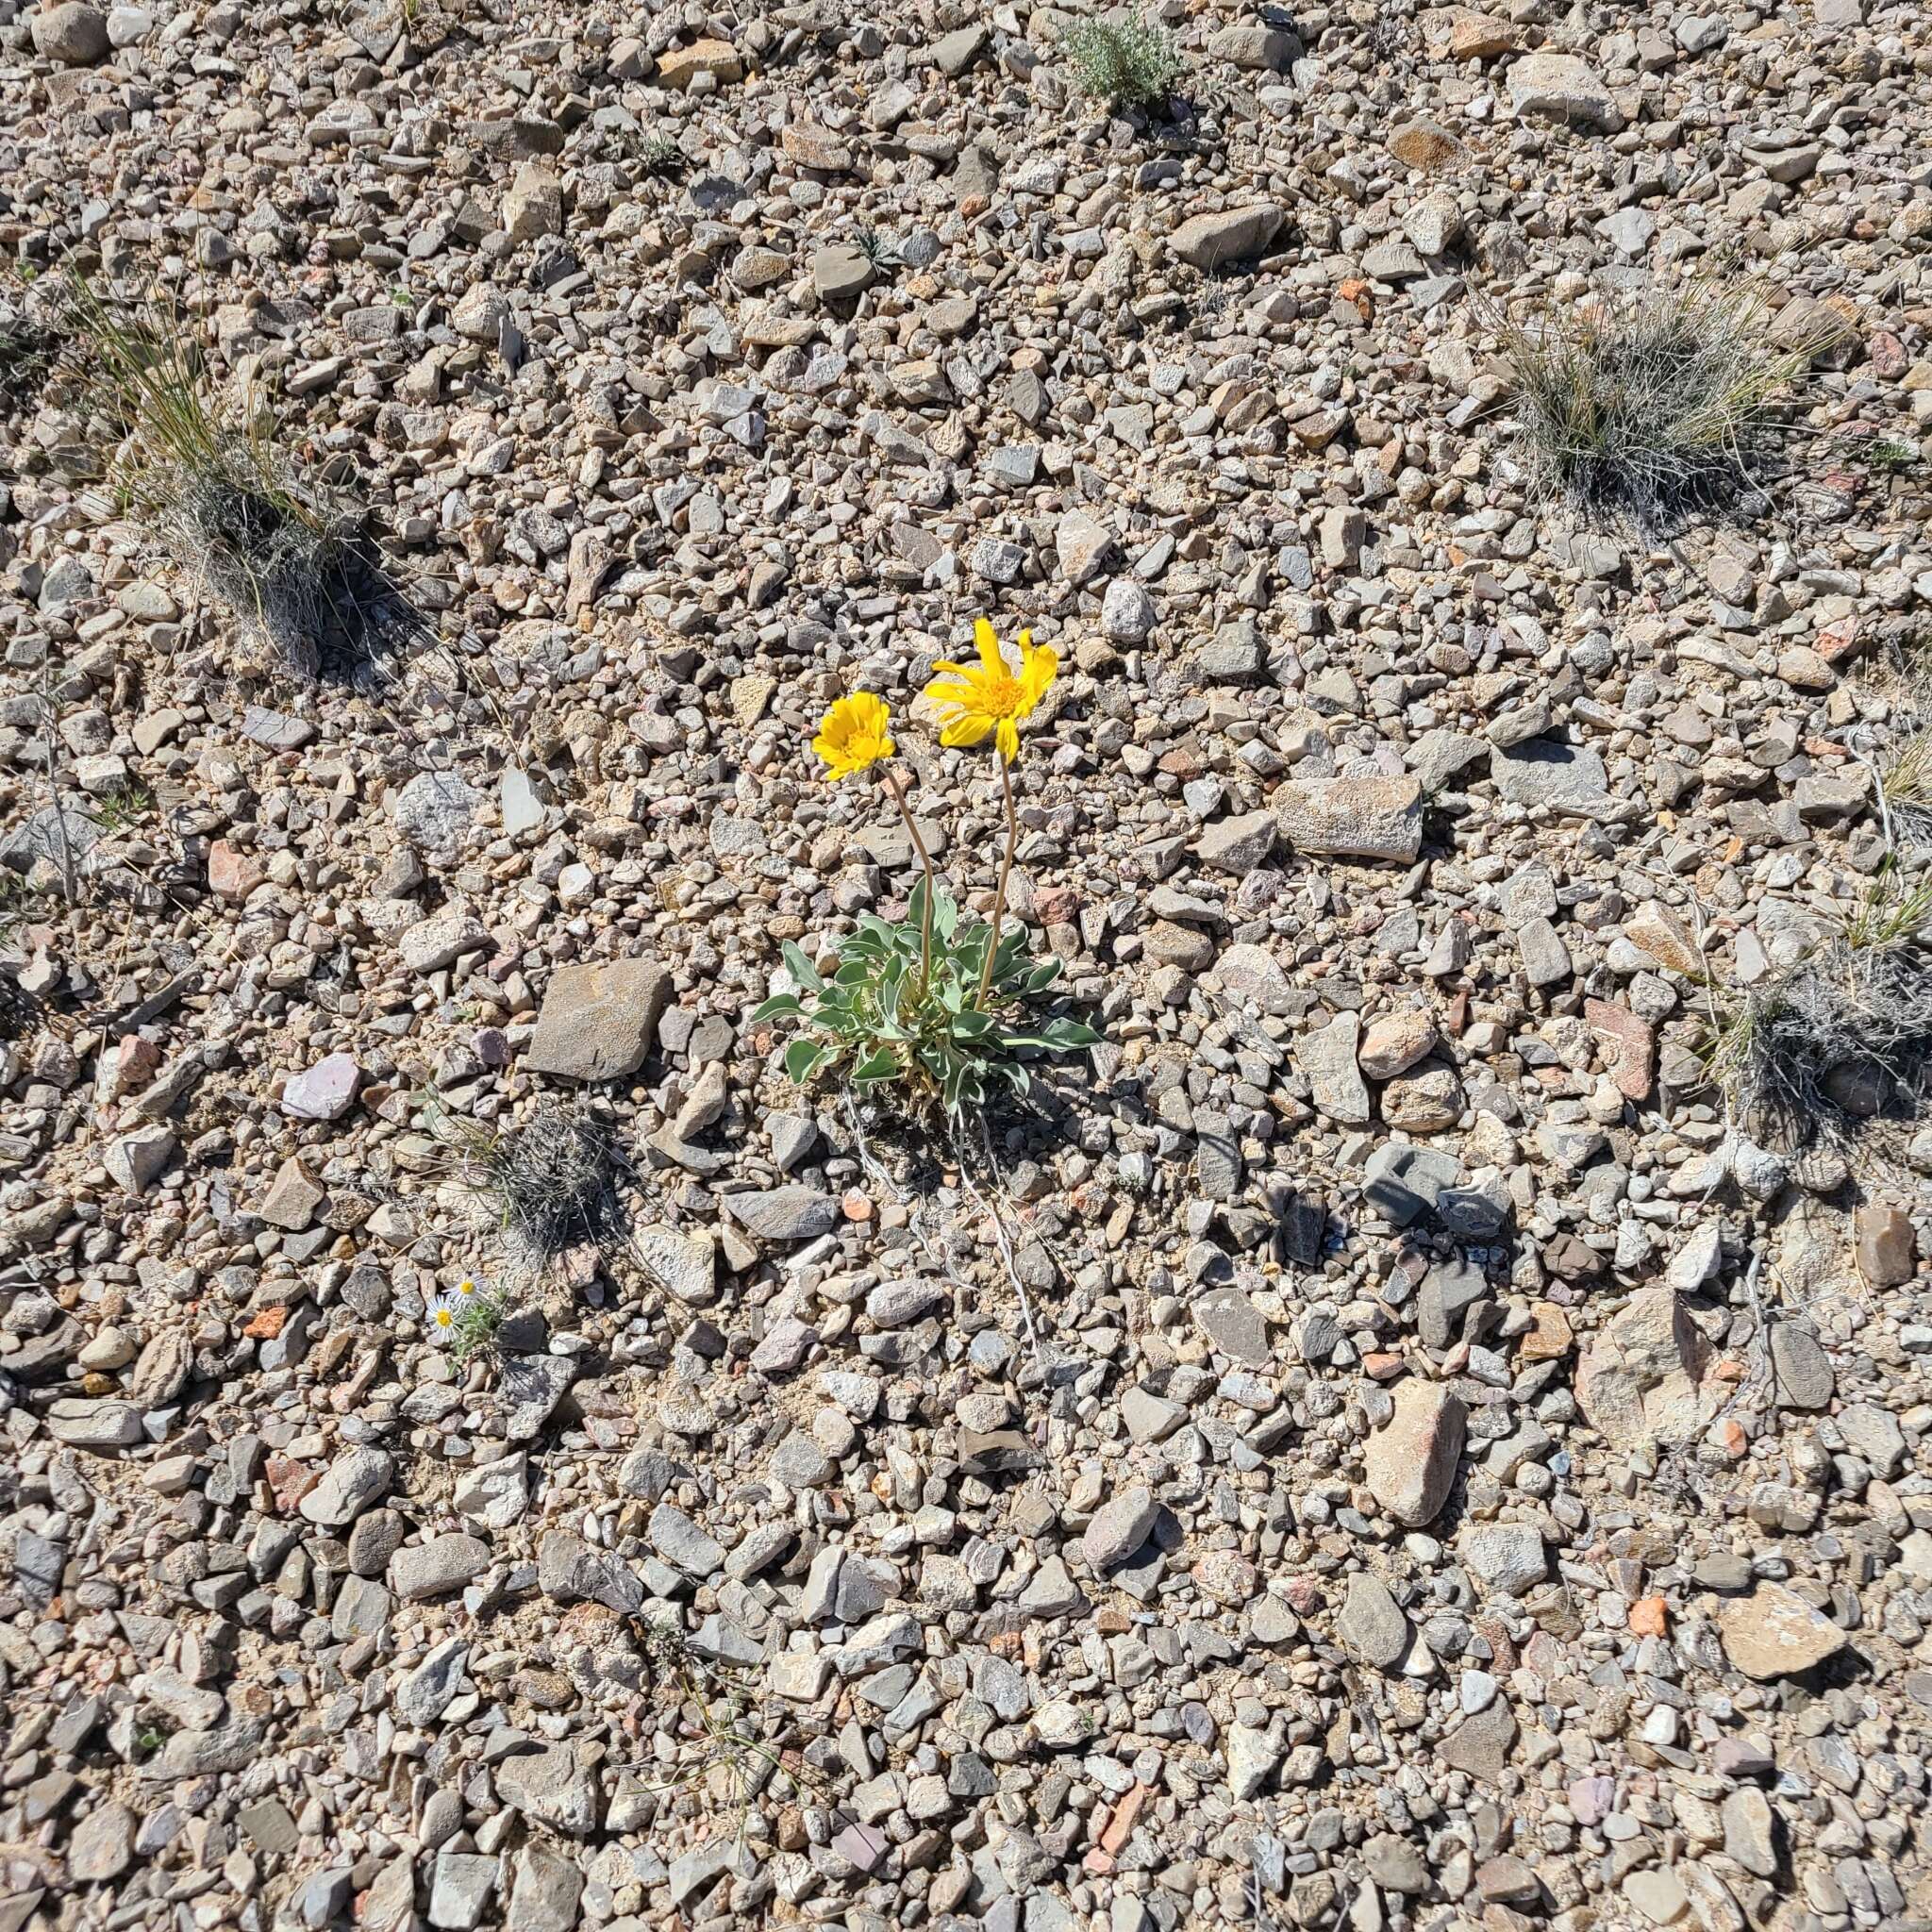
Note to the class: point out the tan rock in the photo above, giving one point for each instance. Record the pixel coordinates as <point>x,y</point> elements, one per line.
<point>1656,930</point>
<point>1412,1458</point>
<point>679,66</point>
<point>1360,818</point>
<point>1642,1379</point>
<point>1426,146</point>
<point>1461,33</point>
<point>1395,1042</point>
<point>1774,1633</point>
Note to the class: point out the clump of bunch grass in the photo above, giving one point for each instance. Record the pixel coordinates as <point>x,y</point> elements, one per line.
<point>1904,788</point>
<point>883,1021</point>
<point>551,1180</point>
<point>1127,64</point>
<point>1860,1004</point>
<point>282,553</point>
<point>27,351</point>
<point>1647,410</point>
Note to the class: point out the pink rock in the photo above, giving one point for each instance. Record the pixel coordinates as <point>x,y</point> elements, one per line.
<point>326,1092</point>
<point>233,874</point>
<point>1395,1043</point>
<point>1591,1799</point>
<point>1628,1044</point>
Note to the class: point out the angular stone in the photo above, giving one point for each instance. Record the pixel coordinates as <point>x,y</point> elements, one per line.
<point>102,1846</point>
<point>1413,1457</point>
<point>293,1200</point>
<point>599,1022</point>
<point>1252,1756</point>
<point>1640,1378</point>
<point>1237,845</point>
<point>1481,1745</point>
<point>679,1541</point>
<point>534,206</point>
<point>1545,771</point>
<point>840,272</point>
<point>426,1692</point>
<point>1801,1367</point>
<point>495,1493</point>
<point>1251,974</point>
<point>1235,1325</point>
<point>1882,1231</point>
<point>684,1264</point>
<point>1774,1633</point>
<point>356,1480</point>
<point>677,67</point>
<point>1326,1055</point>
<point>324,1092</point>
<point>434,944</point>
<point>1402,1183</point>
<point>569,1570</point>
<point>1627,1045</point>
<point>545,1893</point>
<point>1208,242</point>
<point>1371,1624</point>
<point>446,1563</point>
<point>136,1161</point>
<point>435,812</point>
<point>1360,818</point>
<point>1561,87</point>
<point>461,1887</point>
<point>554,1786</point>
<point>1118,1528</point>
<point>1508,1557</point>
<point>83,1423</point>
<point>783,1214</point>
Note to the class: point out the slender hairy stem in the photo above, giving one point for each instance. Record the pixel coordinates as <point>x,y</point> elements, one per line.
<point>999,898</point>
<point>896,788</point>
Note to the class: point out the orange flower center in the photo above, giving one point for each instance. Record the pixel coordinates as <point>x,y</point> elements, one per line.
<point>1001,696</point>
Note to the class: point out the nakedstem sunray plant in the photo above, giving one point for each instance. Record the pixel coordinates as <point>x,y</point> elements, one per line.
<point>931,1003</point>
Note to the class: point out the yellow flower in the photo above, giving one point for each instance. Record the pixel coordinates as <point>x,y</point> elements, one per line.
<point>987,697</point>
<point>852,735</point>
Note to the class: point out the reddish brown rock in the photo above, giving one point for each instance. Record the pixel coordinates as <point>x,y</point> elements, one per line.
<point>1628,1044</point>
<point>232,873</point>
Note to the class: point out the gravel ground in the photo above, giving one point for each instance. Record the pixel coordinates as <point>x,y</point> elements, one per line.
<point>1380,1444</point>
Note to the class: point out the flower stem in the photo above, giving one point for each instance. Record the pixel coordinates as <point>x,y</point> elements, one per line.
<point>898,796</point>
<point>999,897</point>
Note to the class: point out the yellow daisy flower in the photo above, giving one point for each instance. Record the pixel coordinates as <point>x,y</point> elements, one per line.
<point>988,697</point>
<point>852,735</point>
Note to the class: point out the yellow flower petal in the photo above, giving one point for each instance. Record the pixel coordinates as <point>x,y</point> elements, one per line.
<point>1007,738</point>
<point>988,640</point>
<point>970,728</point>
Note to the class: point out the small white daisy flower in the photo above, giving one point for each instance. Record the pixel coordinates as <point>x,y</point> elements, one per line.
<point>466,1290</point>
<point>441,1320</point>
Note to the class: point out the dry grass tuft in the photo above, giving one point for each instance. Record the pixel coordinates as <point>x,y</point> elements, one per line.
<point>1648,411</point>
<point>285,555</point>
<point>1814,1053</point>
<point>1905,786</point>
<point>552,1180</point>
